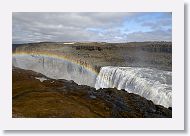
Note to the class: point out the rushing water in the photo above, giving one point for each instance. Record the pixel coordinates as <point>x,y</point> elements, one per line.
<point>152,84</point>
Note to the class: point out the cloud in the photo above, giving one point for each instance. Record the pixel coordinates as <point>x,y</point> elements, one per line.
<point>158,24</point>
<point>81,26</point>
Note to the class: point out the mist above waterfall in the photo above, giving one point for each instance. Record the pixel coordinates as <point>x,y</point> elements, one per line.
<point>55,68</point>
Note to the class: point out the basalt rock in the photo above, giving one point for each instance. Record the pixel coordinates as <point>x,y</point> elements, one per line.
<point>136,54</point>
<point>48,98</point>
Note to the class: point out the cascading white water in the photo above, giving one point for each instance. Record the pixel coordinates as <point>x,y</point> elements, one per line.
<point>55,68</point>
<point>152,84</point>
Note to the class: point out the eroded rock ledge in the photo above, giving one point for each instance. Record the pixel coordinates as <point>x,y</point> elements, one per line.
<point>50,98</point>
<point>96,55</point>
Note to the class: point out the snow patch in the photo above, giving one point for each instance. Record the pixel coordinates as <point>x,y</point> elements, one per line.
<point>42,79</point>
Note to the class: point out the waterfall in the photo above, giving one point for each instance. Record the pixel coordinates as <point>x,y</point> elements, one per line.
<point>152,84</point>
<point>55,68</point>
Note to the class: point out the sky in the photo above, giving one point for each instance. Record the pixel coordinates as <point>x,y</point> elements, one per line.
<point>30,27</point>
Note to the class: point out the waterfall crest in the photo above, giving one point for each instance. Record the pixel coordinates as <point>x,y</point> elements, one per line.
<point>152,84</point>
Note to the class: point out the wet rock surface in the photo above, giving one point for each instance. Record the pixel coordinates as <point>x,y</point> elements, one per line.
<point>50,98</point>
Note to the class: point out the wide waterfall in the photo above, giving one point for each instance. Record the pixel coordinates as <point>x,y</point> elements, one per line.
<point>56,68</point>
<point>152,84</point>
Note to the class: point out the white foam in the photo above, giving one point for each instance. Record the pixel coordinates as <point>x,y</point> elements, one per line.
<point>42,79</point>
<point>152,84</point>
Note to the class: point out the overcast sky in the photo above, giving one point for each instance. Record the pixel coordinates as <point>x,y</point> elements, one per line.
<point>91,26</point>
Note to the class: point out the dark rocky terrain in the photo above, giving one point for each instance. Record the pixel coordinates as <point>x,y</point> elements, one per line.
<point>65,99</point>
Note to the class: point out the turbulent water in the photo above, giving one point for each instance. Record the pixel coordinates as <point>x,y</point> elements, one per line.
<point>155,85</point>
<point>55,68</point>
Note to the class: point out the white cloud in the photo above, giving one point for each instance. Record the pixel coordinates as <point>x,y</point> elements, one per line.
<point>66,26</point>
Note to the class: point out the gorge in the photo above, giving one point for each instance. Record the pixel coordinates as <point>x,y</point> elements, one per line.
<point>141,69</point>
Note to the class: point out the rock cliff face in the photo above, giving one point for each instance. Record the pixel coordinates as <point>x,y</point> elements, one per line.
<point>149,76</point>
<point>136,54</point>
<point>152,84</point>
<point>140,68</point>
<point>35,95</point>
<point>161,47</point>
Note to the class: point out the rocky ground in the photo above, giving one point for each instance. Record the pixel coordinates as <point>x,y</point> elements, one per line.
<point>50,98</point>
